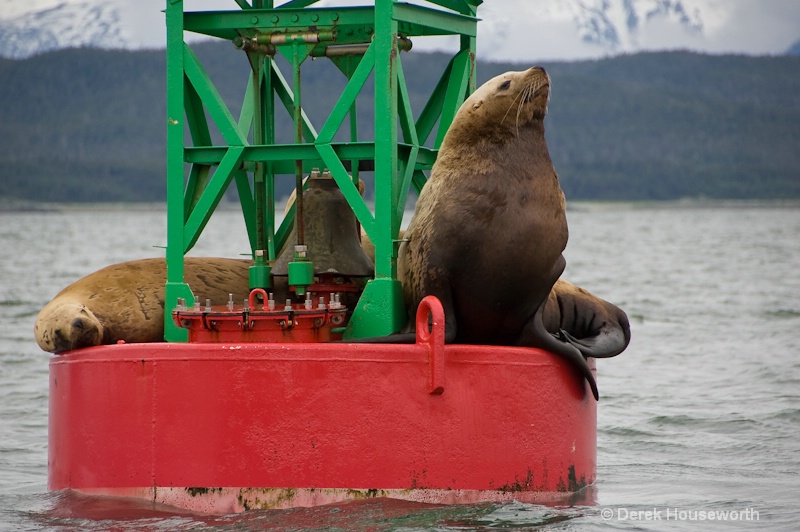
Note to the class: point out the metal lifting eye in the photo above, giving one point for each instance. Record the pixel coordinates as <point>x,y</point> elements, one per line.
<point>506,84</point>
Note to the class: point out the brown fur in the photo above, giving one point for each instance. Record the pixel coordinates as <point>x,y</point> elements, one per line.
<point>572,310</point>
<point>491,218</point>
<point>587,319</point>
<point>490,226</point>
<point>126,301</point>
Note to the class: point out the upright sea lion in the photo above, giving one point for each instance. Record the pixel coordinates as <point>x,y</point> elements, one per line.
<point>126,301</point>
<point>490,225</point>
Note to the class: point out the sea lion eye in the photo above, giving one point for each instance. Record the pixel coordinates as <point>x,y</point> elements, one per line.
<point>506,84</point>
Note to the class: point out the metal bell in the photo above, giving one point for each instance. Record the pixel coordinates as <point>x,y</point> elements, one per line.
<point>331,233</point>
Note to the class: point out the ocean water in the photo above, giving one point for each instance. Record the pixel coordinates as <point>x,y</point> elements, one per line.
<point>699,420</point>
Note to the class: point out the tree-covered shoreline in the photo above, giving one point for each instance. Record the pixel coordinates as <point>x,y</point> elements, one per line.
<point>88,125</point>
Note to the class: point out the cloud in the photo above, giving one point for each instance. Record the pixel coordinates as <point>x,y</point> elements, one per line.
<point>528,31</point>
<point>763,27</point>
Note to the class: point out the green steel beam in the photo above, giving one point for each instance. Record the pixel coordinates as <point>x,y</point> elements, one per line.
<point>424,21</point>
<point>408,127</point>
<point>284,93</point>
<point>385,136</point>
<point>456,92</point>
<point>231,24</point>
<point>414,21</point>
<point>351,194</point>
<point>286,153</point>
<point>253,166</point>
<point>175,286</point>
<point>267,86</point>
<point>248,206</point>
<point>295,4</point>
<point>465,7</point>
<point>211,197</point>
<point>342,108</point>
<point>198,128</point>
<point>433,107</point>
<point>228,127</point>
<point>380,310</point>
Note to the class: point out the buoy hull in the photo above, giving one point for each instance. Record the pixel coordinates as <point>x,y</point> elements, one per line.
<point>221,428</point>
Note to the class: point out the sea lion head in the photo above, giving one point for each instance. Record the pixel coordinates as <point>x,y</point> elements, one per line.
<point>505,104</point>
<point>67,325</point>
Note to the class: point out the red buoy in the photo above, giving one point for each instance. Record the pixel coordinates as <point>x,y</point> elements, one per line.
<point>225,427</point>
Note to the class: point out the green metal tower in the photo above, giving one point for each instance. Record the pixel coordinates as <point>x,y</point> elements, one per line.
<point>363,42</point>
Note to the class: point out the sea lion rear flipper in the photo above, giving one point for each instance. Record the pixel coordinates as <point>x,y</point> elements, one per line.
<point>536,335</point>
<point>609,341</point>
<point>594,326</point>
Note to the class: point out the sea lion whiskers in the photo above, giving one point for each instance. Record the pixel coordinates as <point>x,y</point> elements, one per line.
<point>524,96</point>
<point>511,106</point>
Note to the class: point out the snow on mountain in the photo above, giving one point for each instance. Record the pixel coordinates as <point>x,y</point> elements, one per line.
<point>620,25</point>
<point>516,30</point>
<point>54,25</point>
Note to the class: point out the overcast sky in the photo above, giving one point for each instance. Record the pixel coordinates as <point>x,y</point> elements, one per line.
<point>522,30</point>
<point>529,30</point>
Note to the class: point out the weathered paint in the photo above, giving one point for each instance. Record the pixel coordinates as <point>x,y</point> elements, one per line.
<point>222,501</point>
<point>508,423</point>
<point>223,427</point>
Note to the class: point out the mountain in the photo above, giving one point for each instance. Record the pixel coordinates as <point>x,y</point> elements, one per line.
<point>620,26</point>
<point>511,30</point>
<point>63,25</point>
<point>89,124</point>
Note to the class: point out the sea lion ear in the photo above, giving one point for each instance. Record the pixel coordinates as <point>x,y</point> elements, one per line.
<point>476,105</point>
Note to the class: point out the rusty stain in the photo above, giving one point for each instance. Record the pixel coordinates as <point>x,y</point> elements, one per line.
<point>415,479</point>
<point>276,498</point>
<point>195,491</point>
<point>572,484</point>
<point>516,486</point>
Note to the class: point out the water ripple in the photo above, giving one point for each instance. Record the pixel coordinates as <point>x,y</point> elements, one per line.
<point>700,412</point>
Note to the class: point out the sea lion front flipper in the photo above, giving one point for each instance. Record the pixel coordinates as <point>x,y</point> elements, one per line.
<point>536,335</point>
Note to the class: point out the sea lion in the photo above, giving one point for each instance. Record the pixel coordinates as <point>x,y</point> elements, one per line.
<point>490,225</point>
<point>570,311</point>
<point>590,323</point>
<point>125,301</point>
